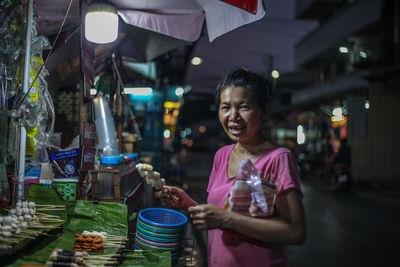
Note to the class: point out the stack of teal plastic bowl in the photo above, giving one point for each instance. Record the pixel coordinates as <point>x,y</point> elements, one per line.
<point>161,230</point>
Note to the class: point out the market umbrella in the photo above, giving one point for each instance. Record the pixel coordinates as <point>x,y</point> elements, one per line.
<point>184,19</point>
<point>167,24</point>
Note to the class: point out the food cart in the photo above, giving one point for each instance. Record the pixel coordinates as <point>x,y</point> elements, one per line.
<point>78,199</point>
<point>78,205</point>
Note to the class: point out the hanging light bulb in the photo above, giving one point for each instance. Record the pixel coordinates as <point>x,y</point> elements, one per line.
<point>101,23</point>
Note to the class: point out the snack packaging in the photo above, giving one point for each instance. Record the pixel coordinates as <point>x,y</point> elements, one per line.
<point>65,164</point>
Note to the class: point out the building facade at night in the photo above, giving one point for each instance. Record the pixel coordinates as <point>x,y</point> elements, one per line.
<point>353,59</point>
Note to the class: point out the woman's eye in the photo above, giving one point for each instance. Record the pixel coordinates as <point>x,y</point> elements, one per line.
<point>224,108</point>
<point>244,107</point>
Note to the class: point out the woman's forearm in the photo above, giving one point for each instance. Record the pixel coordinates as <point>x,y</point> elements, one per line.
<point>270,230</point>
<point>287,228</point>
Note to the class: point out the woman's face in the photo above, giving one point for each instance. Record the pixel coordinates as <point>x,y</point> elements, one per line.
<point>240,115</point>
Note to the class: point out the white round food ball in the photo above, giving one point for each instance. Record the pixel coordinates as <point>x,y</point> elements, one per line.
<point>7,220</point>
<point>6,234</point>
<point>12,212</point>
<point>6,228</point>
<point>15,219</point>
<point>28,217</point>
<point>14,227</point>
<point>18,211</point>
<point>31,204</point>
<point>25,211</point>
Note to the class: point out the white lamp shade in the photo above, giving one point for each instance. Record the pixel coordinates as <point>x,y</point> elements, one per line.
<point>101,23</point>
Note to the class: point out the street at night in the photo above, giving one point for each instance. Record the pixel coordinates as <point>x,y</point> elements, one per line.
<point>356,228</point>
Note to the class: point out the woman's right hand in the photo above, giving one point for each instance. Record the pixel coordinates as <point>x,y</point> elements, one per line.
<point>167,200</point>
<point>174,197</point>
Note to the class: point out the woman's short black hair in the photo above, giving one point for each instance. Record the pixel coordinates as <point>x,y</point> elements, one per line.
<point>259,86</point>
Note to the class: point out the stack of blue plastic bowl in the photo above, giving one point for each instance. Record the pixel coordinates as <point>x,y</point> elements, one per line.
<point>161,230</point>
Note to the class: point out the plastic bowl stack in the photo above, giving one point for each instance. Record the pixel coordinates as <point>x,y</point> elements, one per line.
<point>161,230</point>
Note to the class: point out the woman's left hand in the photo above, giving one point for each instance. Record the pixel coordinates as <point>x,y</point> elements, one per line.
<point>209,216</point>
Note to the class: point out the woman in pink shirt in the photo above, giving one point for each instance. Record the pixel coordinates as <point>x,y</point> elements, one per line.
<point>235,239</point>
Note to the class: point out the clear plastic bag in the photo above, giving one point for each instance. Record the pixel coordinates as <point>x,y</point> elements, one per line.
<point>250,195</point>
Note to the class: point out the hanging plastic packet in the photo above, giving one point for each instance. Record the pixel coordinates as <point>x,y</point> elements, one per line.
<point>65,163</point>
<point>31,109</point>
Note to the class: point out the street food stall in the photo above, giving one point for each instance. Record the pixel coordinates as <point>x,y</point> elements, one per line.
<point>83,196</point>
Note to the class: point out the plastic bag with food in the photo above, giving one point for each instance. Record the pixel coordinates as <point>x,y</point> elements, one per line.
<point>250,195</point>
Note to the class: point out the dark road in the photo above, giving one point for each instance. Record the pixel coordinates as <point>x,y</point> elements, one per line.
<point>344,229</point>
<point>352,229</point>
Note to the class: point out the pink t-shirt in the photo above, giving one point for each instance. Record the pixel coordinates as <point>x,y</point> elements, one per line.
<point>280,166</point>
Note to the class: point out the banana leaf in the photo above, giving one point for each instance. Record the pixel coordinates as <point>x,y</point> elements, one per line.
<point>47,196</point>
<point>150,258</point>
<point>101,217</point>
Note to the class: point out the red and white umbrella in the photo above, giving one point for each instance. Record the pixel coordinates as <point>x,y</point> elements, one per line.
<point>179,19</point>
<point>184,19</point>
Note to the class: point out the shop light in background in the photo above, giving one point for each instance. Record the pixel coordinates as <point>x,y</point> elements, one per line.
<point>138,91</point>
<point>182,134</point>
<point>338,120</point>
<point>337,111</point>
<point>196,61</point>
<point>202,129</point>
<point>170,104</point>
<point>187,142</point>
<point>363,54</point>
<point>301,136</point>
<point>101,23</point>
<point>179,91</point>
<point>188,131</point>
<point>343,50</point>
<point>167,133</point>
<point>366,104</point>
<point>275,74</point>
<point>337,114</point>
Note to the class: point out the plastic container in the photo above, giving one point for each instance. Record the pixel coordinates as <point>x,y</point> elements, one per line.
<point>106,179</point>
<point>163,217</point>
<point>105,127</point>
<point>161,230</point>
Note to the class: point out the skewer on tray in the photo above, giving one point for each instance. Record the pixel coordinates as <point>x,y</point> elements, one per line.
<point>77,257</point>
<point>20,221</point>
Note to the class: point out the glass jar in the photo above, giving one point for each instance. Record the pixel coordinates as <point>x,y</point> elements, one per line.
<point>106,177</point>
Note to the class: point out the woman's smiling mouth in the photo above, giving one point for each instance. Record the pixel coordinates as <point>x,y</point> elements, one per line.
<point>236,130</point>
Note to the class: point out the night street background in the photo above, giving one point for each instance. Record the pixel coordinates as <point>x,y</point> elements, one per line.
<point>356,228</point>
